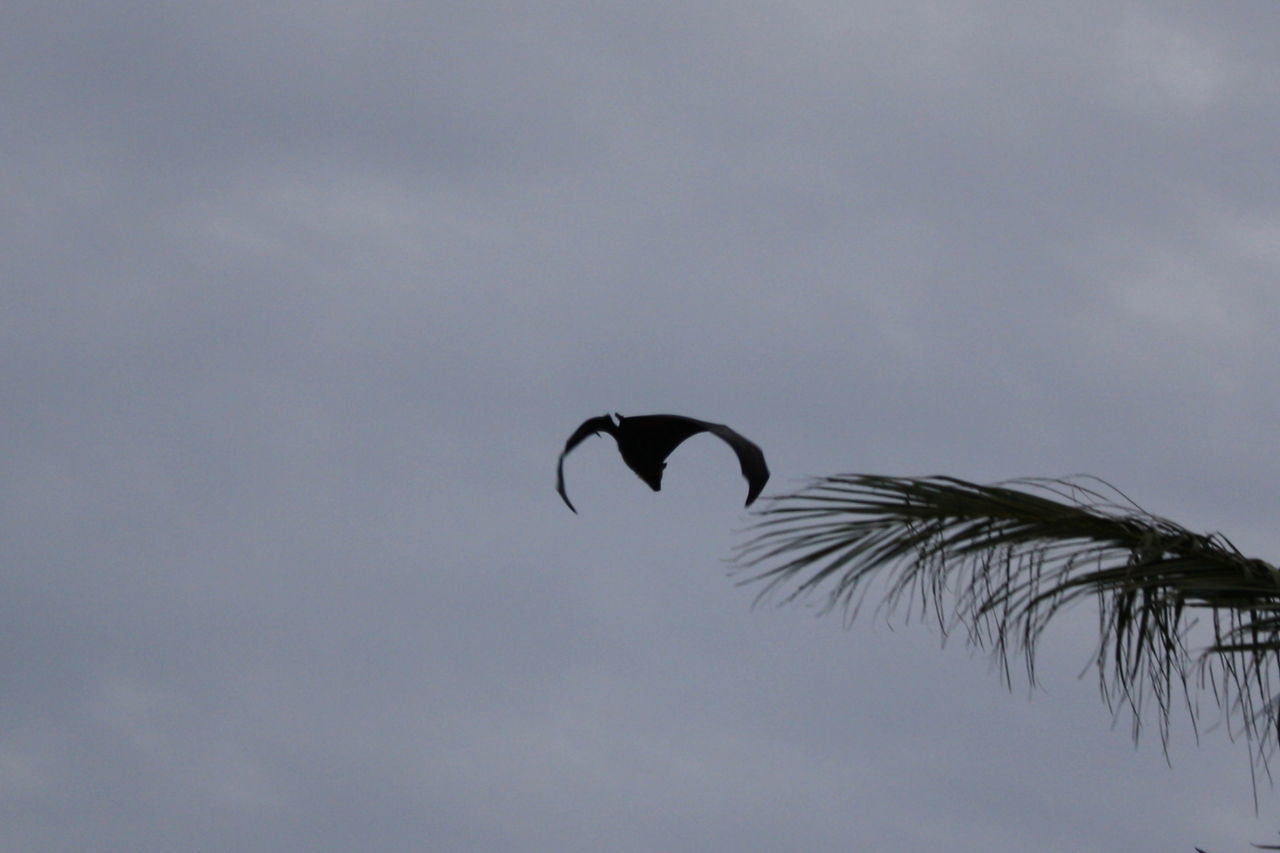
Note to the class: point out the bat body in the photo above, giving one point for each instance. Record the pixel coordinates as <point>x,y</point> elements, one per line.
<point>645,442</point>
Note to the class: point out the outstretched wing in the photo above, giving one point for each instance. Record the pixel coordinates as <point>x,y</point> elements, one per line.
<point>591,426</point>
<point>647,440</point>
<point>750,457</point>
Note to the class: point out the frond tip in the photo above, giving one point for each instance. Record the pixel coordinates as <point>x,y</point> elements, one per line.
<point>1001,560</point>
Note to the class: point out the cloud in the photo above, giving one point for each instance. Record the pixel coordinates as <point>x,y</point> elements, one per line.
<point>302,304</point>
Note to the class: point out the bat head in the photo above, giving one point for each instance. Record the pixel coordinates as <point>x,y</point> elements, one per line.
<point>651,475</point>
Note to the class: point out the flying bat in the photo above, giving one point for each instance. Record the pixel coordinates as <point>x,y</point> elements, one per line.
<point>645,442</point>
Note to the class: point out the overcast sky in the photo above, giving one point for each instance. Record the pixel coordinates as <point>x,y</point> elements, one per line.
<point>301,300</point>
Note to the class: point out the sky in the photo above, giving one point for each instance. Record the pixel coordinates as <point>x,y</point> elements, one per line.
<point>301,301</point>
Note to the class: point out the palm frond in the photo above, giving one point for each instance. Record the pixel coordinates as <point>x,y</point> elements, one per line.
<point>1001,560</point>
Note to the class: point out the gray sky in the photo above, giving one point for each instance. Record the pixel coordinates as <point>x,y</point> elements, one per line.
<point>302,300</point>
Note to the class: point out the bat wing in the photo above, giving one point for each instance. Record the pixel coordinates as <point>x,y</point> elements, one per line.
<point>750,457</point>
<point>647,440</point>
<point>591,426</point>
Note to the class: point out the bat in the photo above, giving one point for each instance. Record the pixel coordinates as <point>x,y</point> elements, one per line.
<point>645,442</point>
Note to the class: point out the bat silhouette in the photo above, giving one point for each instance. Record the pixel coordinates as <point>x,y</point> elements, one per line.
<point>645,442</point>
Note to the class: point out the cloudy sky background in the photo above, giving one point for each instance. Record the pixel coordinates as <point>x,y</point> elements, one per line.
<point>300,302</point>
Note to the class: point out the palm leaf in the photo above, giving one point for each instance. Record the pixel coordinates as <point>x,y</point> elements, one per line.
<point>1001,560</point>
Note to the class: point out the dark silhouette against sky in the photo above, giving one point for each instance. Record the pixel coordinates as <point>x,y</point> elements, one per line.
<point>645,442</point>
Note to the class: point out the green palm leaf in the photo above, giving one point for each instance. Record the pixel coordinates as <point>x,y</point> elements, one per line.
<point>1001,560</point>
